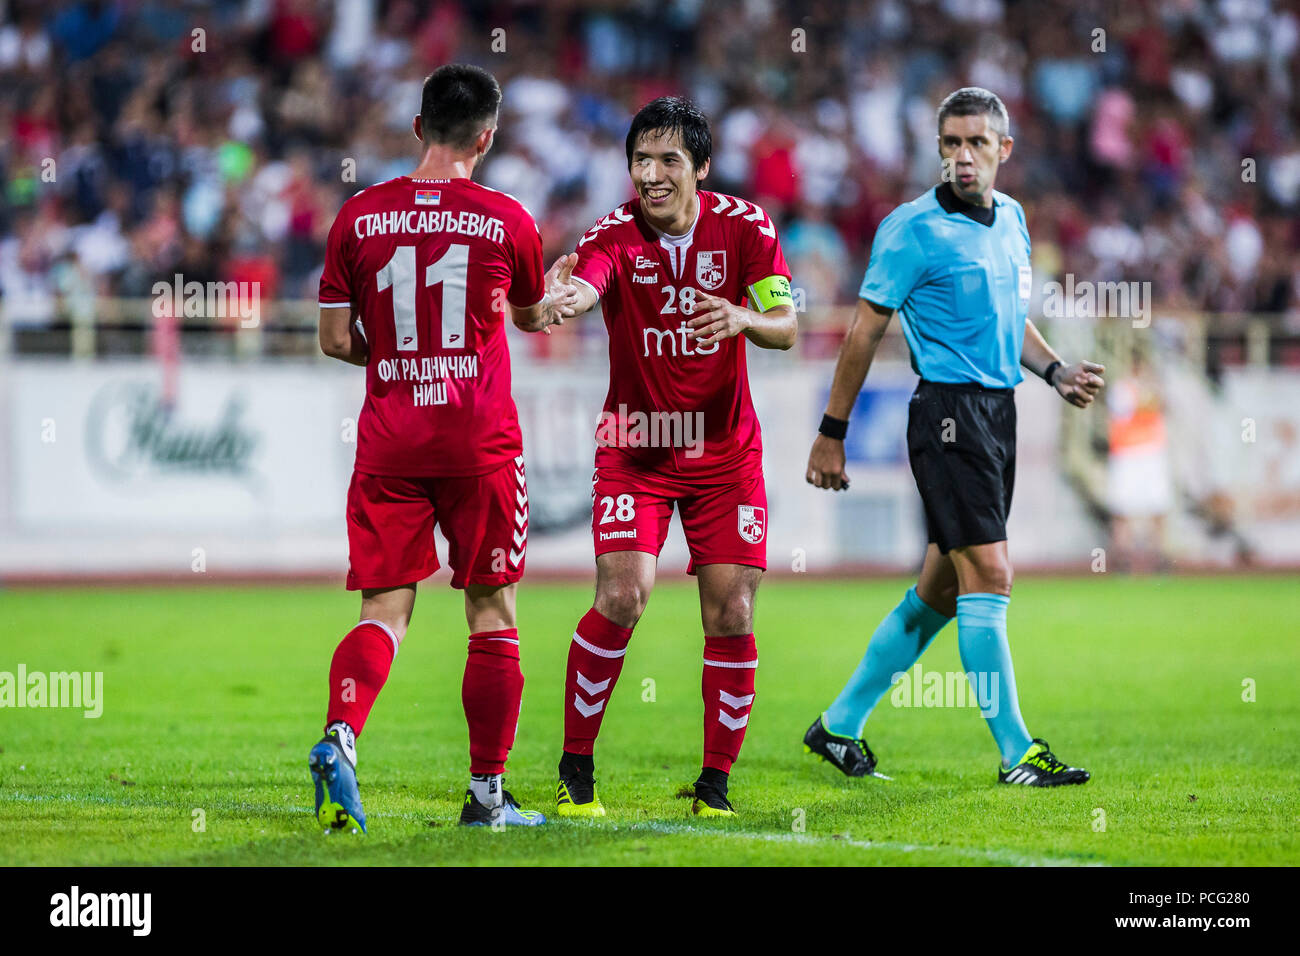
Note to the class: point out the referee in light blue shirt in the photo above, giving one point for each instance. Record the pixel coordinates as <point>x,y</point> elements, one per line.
<point>954,264</point>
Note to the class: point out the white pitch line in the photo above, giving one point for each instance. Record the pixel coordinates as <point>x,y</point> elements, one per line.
<point>999,856</point>
<point>1009,857</point>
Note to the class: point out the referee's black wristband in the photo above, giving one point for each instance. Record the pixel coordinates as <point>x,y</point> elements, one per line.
<point>835,428</point>
<point>1047,372</point>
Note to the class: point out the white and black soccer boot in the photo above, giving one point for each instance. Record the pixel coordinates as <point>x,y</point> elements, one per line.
<point>1039,767</point>
<point>851,757</point>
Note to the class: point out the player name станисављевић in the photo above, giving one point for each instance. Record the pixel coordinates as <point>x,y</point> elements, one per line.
<point>465,223</point>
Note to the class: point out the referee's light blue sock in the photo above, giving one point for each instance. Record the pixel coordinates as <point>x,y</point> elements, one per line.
<point>986,655</point>
<point>899,640</point>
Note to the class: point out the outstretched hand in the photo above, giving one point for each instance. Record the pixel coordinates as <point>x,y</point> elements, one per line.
<point>560,291</point>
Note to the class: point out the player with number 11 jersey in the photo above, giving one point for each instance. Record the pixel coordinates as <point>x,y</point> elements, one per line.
<point>420,272</point>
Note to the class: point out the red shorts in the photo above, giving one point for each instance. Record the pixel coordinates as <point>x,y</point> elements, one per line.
<point>724,524</point>
<point>390,528</point>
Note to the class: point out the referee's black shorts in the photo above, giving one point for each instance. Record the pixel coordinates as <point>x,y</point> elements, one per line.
<point>961,440</point>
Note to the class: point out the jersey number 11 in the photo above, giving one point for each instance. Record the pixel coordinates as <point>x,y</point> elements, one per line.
<point>450,270</point>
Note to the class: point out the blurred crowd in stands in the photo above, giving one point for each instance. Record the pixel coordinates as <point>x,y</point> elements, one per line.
<point>1155,140</point>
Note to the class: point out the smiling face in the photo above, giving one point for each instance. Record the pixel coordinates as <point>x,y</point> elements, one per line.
<point>971,150</point>
<point>666,180</point>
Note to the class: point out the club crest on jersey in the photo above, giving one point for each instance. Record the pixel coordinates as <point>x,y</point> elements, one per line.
<point>710,269</point>
<point>750,523</point>
<point>428,197</point>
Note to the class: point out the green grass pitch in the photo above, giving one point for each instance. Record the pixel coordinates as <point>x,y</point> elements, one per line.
<point>213,696</point>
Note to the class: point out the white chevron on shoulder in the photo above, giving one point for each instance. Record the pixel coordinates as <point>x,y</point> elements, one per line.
<point>612,219</point>
<point>735,207</point>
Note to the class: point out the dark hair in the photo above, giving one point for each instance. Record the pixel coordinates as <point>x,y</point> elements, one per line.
<point>672,114</point>
<point>458,101</point>
<point>975,101</point>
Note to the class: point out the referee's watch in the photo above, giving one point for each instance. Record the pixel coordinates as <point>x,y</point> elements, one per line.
<point>1048,372</point>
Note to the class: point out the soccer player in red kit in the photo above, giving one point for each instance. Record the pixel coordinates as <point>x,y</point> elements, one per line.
<point>419,272</point>
<point>684,277</point>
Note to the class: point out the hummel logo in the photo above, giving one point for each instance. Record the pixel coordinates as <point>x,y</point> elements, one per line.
<point>838,751</point>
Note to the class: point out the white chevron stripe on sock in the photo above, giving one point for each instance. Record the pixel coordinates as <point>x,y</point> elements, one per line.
<point>735,703</point>
<point>586,709</point>
<point>732,723</point>
<point>590,687</point>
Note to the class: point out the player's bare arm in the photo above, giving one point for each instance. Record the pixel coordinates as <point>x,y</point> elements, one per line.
<point>717,319</point>
<point>1078,384</point>
<point>826,461</point>
<point>558,303</point>
<point>339,337</point>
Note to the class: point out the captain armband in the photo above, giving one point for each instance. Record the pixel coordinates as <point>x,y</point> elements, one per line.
<point>770,292</point>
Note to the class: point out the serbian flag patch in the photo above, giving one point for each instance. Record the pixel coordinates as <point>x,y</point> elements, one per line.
<point>428,197</point>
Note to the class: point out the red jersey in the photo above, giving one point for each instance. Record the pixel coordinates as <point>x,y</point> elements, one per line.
<point>429,265</point>
<point>648,284</point>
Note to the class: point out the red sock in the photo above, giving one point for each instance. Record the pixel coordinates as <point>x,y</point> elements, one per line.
<point>595,660</point>
<point>357,673</point>
<point>491,694</point>
<point>728,688</point>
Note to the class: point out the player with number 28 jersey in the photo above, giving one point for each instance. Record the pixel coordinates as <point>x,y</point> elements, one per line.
<point>649,285</point>
<point>687,280</point>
